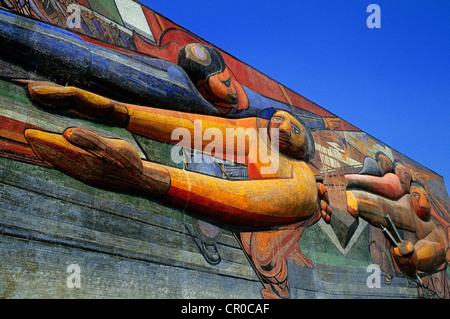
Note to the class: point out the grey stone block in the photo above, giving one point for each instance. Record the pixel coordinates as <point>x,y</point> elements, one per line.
<point>344,225</point>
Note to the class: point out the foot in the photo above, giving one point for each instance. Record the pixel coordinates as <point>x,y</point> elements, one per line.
<point>210,253</point>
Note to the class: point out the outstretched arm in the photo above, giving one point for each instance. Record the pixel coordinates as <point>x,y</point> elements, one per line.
<point>422,255</point>
<point>155,123</point>
<point>388,185</point>
<point>113,164</point>
<point>110,164</point>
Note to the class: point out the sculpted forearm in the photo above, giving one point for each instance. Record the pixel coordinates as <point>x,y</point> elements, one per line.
<point>258,203</point>
<point>190,130</point>
<point>160,124</point>
<point>374,209</point>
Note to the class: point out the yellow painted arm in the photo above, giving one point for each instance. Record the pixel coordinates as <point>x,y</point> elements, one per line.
<point>200,130</point>
<point>253,203</point>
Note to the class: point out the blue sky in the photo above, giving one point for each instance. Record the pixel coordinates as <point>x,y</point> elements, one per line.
<point>392,82</point>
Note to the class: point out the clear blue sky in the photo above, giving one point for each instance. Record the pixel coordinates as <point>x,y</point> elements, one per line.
<point>392,82</point>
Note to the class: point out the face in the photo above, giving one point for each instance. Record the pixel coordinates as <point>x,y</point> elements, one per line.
<point>384,163</point>
<point>222,87</point>
<point>404,175</point>
<point>292,135</point>
<point>420,202</point>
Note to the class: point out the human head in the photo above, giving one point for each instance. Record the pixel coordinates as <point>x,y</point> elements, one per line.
<point>207,70</point>
<point>404,175</point>
<point>294,138</point>
<point>384,162</point>
<point>420,201</point>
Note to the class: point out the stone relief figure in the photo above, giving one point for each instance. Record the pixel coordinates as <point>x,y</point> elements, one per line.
<point>273,196</point>
<point>212,78</point>
<point>271,207</point>
<point>286,199</point>
<point>270,251</point>
<point>385,188</point>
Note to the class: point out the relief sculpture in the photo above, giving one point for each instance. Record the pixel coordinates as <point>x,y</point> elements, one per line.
<point>245,155</point>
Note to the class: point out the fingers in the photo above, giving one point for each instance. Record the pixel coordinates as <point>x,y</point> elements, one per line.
<point>405,248</point>
<point>109,164</point>
<point>54,150</point>
<point>67,97</point>
<point>324,202</point>
<point>325,211</point>
<point>406,257</point>
<point>89,158</point>
<point>323,192</point>
<point>76,144</point>
<point>50,94</point>
<point>113,151</point>
<point>326,217</point>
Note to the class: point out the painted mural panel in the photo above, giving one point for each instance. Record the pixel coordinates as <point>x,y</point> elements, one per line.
<point>113,100</point>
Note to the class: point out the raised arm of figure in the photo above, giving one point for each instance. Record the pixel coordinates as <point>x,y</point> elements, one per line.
<point>159,124</point>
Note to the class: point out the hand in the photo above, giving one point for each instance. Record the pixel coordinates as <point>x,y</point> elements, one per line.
<point>49,94</point>
<point>406,256</point>
<point>55,96</point>
<point>110,164</point>
<point>324,202</point>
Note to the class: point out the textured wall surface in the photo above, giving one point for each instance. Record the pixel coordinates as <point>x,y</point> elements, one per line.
<point>93,204</point>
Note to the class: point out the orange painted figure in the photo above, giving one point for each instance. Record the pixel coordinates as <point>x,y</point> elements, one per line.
<point>270,252</point>
<point>274,195</point>
<point>407,203</point>
<point>212,77</point>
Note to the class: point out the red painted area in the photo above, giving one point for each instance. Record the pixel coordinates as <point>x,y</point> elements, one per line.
<point>153,22</point>
<point>13,143</point>
<point>84,3</point>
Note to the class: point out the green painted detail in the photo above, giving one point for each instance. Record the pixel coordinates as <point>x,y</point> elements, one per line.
<point>317,246</point>
<point>106,8</point>
<point>14,91</point>
<point>156,151</point>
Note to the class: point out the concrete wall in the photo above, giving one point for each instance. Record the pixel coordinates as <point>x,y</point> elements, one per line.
<point>126,246</point>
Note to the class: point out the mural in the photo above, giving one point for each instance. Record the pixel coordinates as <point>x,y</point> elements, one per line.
<point>122,99</point>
